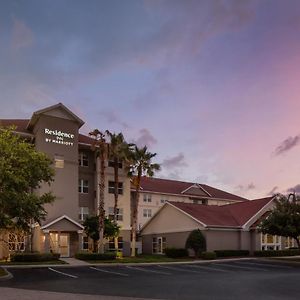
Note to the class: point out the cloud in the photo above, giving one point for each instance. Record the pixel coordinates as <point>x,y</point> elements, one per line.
<point>145,138</point>
<point>273,191</point>
<point>112,117</point>
<point>174,162</point>
<point>287,144</point>
<point>294,189</point>
<point>246,188</point>
<point>22,36</point>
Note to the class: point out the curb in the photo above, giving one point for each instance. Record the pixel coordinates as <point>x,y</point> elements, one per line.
<point>7,276</point>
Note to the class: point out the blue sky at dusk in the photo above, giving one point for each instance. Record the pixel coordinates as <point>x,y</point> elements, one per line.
<point>211,86</point>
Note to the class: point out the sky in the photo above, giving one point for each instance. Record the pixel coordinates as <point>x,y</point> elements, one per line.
<point>211,86</point>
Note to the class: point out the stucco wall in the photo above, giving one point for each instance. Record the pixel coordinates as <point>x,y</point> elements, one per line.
<point>222,240</point>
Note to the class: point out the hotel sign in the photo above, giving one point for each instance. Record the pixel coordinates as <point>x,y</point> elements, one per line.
<point>59,137</point>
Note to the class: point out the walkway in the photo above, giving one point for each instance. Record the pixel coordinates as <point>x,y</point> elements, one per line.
<point>74,262</point>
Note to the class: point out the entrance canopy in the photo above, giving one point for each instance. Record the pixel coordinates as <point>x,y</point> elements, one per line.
<point>63,223</point>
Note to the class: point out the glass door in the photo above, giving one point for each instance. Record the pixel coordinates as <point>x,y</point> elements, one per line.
<point>64,245</point>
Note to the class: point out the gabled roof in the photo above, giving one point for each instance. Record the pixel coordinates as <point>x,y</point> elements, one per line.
<point>62,218</point>
<point>230,215</point>
<point>167,186</point>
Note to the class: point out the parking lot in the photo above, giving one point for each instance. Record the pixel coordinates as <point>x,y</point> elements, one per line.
<point>241,279</point>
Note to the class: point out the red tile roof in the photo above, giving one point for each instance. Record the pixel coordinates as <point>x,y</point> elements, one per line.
<point>21,125</point>
<point>168,186</point>
<point>230,215</point>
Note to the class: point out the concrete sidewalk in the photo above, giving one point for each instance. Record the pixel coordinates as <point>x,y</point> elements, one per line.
<point>71,261</point>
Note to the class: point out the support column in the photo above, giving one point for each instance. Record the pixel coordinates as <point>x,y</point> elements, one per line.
<point>47,241</point>
<point>80,240</point>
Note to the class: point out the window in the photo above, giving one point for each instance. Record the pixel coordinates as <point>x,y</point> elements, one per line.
<point>85,243</point>
<point>119,213</point>
<point>111,243</point>
<point>83,213</point>
<point>147,213</point>
<point>16,242</point>
<point>290,242</point>
<point>147,198</point>
<point>83,186</point>
<point>83,159</point>
<point>158,245</point>
<point>111,163</point>
<point>111,187</point>
<point>163,199</point>
<point>59,162</point>
<point>270,242</point>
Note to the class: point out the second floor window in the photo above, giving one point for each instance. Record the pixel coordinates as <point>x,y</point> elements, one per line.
<point>147,198</point>
<point>111,163</point>
<point>111,187</point>
<point>83,186</point>
<point>83,159</point>
<point>83,213</point>
<point>147,213</point>
<point>119,213</point>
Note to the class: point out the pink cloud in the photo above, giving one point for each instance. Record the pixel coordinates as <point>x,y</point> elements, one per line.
<point>22,36</point>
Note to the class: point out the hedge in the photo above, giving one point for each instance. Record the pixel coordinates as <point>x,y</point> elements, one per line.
<point>34,257</point>
<point>208,255</point>
<point>230,253</point>
<point>269,253</point>
<point>176,252</point>
<point>95,256</point>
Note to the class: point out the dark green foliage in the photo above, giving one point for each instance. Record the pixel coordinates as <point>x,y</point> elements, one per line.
<point>208,255</point>
<point>196,241</point>
<point>284,220</point>
<point>34,257</point>
<point>96,256</point>
<point>270,253</point>
<point>230,253</point>
<point>22,170</point>
<point>176,252</point>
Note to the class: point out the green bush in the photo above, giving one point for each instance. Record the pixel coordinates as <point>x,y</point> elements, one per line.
<point>176,252</point>
<point>196,241</point>
<point>95,256</point>
<point>34,257</point>
<point>230,253</point>
<point>270,253</point>
<point>208,255</point>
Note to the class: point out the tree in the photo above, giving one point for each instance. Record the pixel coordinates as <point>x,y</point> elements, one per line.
<point>196,241</point>
<point>91,228</point>
<point>101,148</point>
<point>118,153</point>
<point>140,166</point>
<point>22,170</point>
<point>284,219</point>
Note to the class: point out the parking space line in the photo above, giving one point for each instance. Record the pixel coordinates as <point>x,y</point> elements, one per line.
<point>265,265</point>
<point>111,272</point>
<point>62,273</point>
<point>181,269</point>
<point>147,270</point>
<point>239,267</point>
<point>210,268</point>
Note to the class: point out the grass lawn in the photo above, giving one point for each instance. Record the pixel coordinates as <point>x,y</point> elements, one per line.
<point>287,259</point>
<point>142,259</point>
<point>2,272</point>
<point>51,262</point>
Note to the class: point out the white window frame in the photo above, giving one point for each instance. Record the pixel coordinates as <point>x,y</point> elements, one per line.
<point>16,242</point>
<point>83,213</point>
<point>83,186</point>
<point>59,161</point>
<point>83,159</point>
<point>274,245</point>
<point>159,245</point>
<point>111,187</point>
<point>85,243</point>
<point>147,213</point>
<point>119,213</point>
<point>111,243</point>
<point>147,198</point>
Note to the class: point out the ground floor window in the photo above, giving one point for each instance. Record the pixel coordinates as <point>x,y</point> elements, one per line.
<point>158,245</point>
<point>111,243</point>
<point>85,243</point>
<point>290,243</point>
<point>270,242</point>
<point>16,241</point>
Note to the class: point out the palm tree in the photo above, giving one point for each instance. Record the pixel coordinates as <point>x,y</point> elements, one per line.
<point>101,149</point>
<point>118,153</point>
<point>140,166</point>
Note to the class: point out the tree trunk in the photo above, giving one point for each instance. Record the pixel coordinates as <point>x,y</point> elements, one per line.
<point>135,212</point>
<point>116,175</point>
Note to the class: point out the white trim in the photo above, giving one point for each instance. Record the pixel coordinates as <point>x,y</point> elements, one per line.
<point>59,219</point>
<point>253,217</point>
<point>196,185</point>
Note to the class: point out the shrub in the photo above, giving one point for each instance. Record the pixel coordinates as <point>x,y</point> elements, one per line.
<point>95,256</point>
<point>230,253</point>
<point>176,252</point>
<point>270,253</point>
<point>34,257</point>
<point>208,255</point>
<point>196,241</point>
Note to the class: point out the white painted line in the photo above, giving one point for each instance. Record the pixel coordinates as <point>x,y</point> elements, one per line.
<point>239,267</point>
<point>210,268</point>
<point>111,272</point>
<point>62,273</point>
<point>147,270</point>
<point>265,265</point>
<point>180,269</point>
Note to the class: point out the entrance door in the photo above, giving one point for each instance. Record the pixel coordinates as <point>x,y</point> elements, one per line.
<point>161,245</point>
<point>64,245</point>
